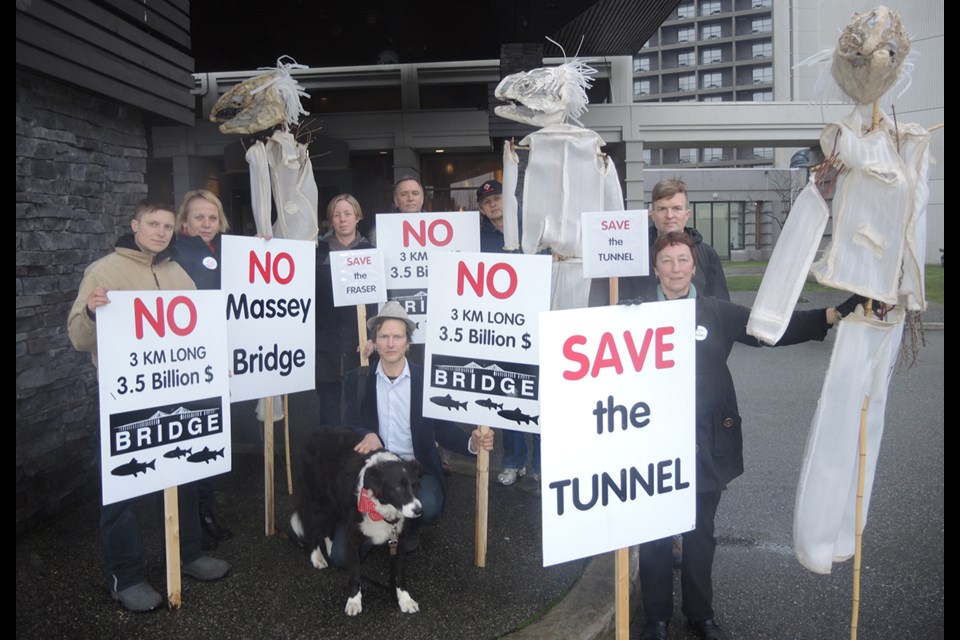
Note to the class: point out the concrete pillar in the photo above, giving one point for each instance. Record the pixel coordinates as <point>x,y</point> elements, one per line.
<point>406,162</point>
<point>633,180</point>
<point>621,79</point>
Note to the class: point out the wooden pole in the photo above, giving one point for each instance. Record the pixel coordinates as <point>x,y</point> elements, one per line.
<point>861,473</point>
<point>286,441</point>
<point>621,557</point>
<point>171,530</point>
<point>268,524</point>
<point>861,468</point>
<point>483,485</point>
<point>362,333</point>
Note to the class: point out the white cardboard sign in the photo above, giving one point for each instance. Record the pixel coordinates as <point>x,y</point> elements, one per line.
<point>269,287</point>
<point>408,240</point>
<point>617,427</point>
<point>482,348</point>
<point>164,405</point>
<point>615,243</point>
<point>358,277</point>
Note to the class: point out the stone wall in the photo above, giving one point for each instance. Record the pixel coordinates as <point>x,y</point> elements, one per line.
<point>80,169</point>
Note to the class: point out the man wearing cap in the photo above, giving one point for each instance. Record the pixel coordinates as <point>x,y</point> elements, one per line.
<point>490,203</point>
<point>389,412</point>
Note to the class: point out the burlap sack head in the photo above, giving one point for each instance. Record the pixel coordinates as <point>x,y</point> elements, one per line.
<point>870,54</point>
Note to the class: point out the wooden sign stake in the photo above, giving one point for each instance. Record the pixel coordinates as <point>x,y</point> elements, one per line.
<point>268,505</point>
<point>171,530</point>
<point>483,482</point>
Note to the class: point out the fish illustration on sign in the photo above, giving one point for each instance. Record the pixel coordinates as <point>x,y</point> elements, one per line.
<point>489,404</point>
<point>515,415</point>
<point>133,467</point>
<point>448,402</point>
<point>178,453</point>
<point>205,456</point>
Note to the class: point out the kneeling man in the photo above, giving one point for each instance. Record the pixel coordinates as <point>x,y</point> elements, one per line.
<point>388,412</point>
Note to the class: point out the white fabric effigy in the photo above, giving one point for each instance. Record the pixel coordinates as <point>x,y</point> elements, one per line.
<point>872,206</point>
<point>824,523</point>
<point>511,173</point>
<point>294,188</point>
<point>915,152</point>
<point>566,175</point>
<point>788,267</point>
<point>259,187</point>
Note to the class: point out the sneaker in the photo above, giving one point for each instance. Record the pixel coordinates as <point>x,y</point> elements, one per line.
<point>510,475</point>
<point>206,568</point>
<point>139,597</point>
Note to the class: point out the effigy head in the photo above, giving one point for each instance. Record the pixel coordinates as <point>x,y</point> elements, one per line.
<point>870,54</point>
<point>547,95</point>
<point>261,103</point>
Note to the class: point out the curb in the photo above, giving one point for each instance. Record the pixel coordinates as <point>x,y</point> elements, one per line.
<point>587,612</point>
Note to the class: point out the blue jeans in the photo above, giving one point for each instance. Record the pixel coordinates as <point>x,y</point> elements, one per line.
<point>515,450</point>
<point>430,496</point>
<point>122,547</point>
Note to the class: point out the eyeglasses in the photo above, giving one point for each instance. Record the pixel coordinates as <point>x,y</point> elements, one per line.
<point>676,210</point>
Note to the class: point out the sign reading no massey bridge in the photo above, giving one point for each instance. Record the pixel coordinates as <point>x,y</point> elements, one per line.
<point>482,348</point>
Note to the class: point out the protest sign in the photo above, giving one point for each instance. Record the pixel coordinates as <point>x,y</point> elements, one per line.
<point>615,243</point>
<point>358,277</point>
<point>164,409</point>
<point>617,427</point>
<point>482,346</point>
<point>408,240</point>
<point>269,287</point>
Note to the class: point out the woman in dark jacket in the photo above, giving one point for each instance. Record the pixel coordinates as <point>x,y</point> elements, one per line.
<point>337,329</point>
<point>200,222</point>
<point>719,438</point>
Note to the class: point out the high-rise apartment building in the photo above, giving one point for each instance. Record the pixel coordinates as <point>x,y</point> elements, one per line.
<point>709,51</point>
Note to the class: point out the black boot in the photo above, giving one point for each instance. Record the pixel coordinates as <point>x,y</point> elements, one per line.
<point>208,522</point>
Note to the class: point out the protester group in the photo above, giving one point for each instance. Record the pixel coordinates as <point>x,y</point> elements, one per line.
<point>182,251</point>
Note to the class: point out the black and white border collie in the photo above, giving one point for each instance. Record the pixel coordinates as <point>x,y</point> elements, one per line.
<point>373,495</point>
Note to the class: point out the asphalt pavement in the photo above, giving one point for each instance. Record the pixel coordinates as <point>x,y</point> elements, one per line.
<point>761,591</point>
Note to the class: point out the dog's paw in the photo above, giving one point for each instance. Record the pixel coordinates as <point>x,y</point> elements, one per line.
<point>317,559</point>
<point>407,604</point>
<point>353,605</point>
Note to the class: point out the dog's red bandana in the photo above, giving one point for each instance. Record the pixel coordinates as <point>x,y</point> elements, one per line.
<point>365,505</point>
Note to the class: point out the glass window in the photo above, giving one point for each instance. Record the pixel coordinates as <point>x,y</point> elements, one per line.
<point>711,56</point>
<point>687,83</point>
<point>762,4</point>
<point>763,96</point>
<point>762,25</point>
<point>713,98</point>
<point>762,153</point>
<point>762,75</point>
<point>641,64</point>
<point>686,59</point>
<point>647,156</point>
<point>712,80</point>
<point>763,50</point>
<point>710,32</point>
<point>709,8</point>
<point>641,88</point>
<point>712,154</point>
<point>685,11</point>
<point>687,34</point>
<point>688,156</point>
